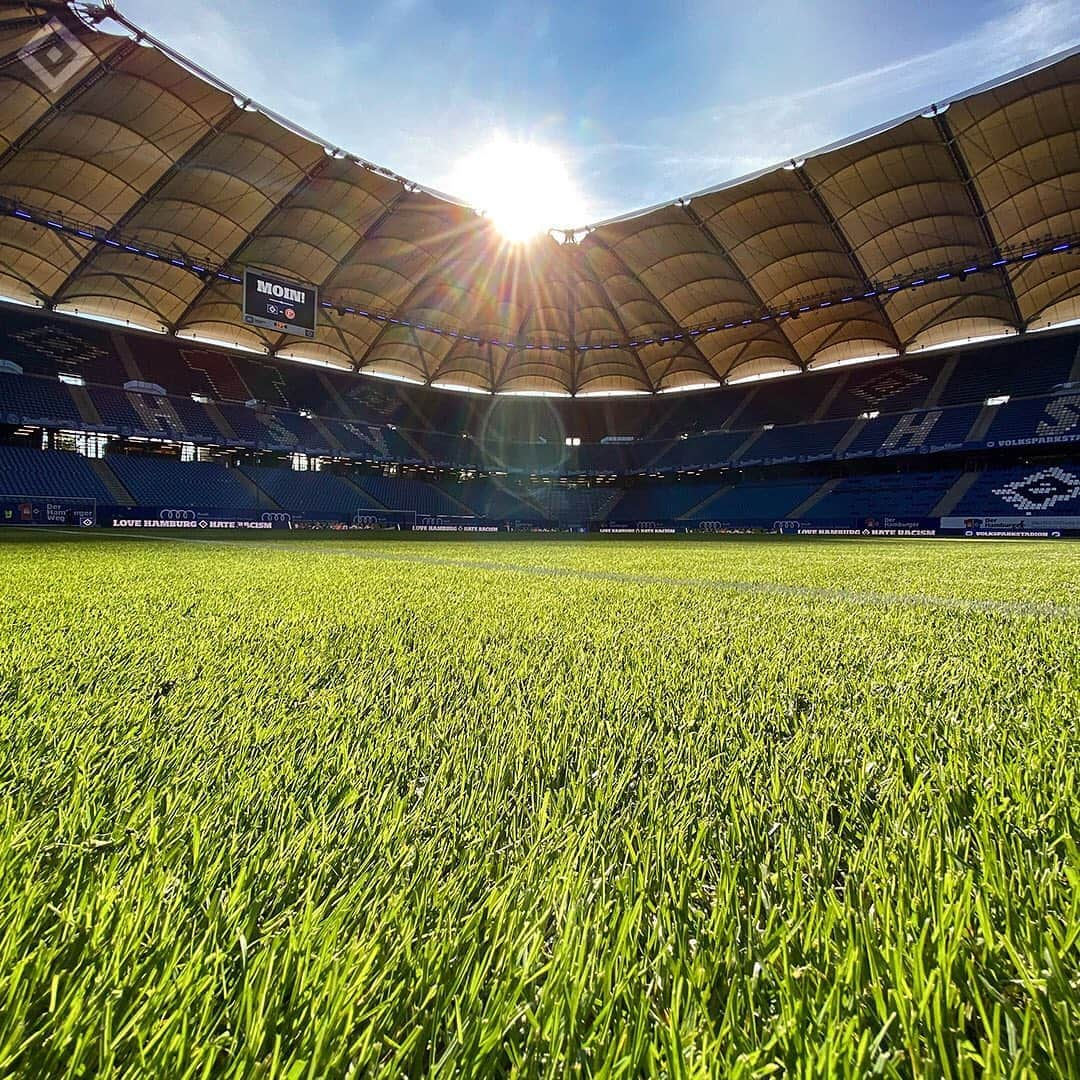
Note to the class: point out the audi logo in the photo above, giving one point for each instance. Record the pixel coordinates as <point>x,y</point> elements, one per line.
<point>365,520</point>
<point>779,525</point>
<point>718,527</point>
<point>176,515</point>
<point>270,516</point>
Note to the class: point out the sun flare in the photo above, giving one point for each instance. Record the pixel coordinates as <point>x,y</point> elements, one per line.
<point>523,187</point>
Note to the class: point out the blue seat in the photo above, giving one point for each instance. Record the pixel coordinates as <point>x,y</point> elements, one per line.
<point>26,471</point>
<point>310,492</point>
<point>162,481</point>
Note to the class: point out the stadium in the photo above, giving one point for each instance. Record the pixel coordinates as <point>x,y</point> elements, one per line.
<point>649,647</point>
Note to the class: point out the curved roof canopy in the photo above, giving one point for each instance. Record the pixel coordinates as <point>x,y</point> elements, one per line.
<point>135,186</point>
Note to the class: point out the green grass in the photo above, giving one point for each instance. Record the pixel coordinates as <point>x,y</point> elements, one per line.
<point>348,807</point>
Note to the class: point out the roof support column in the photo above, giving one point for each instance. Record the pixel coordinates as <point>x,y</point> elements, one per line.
<point>960,164</point>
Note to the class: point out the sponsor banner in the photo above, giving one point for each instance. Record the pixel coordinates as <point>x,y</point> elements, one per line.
<point>1011,534</point>
<point>640,530</point>
<point>29,510</point>
<point>1034,440</point>
<point>457,528</point>
<point>943,527</point>
<point>724,527</point>
<point>275,303</point>
<point>194,523</point>
<point>899,451</point>
<point>383,519</point>
<point>1014,523</point>
<point>454,523</point>
<point>166,517</point>
<point>821,530</point>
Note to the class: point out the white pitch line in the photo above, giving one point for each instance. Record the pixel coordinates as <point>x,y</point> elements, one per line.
<point>760,588</point>
<point>767,588</point>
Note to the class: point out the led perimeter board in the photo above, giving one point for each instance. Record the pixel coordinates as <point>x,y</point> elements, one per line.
<point>276,304</point>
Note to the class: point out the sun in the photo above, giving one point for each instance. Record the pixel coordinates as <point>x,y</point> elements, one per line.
<point>523,187</point>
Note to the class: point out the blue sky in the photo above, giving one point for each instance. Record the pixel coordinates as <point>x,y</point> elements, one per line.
<point>645,102</point>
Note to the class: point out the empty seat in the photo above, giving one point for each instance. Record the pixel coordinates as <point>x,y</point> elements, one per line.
<point>160,481</point>
<point>30,472</point>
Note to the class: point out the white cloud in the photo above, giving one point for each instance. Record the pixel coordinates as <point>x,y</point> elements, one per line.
<point>744,137</point>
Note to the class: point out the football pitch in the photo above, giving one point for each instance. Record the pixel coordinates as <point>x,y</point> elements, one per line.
<point>334,806</point>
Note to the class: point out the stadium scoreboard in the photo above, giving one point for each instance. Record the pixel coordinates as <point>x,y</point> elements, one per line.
<point>277,304</point>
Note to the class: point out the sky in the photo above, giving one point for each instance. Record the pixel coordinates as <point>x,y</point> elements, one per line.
<point>643,102</point>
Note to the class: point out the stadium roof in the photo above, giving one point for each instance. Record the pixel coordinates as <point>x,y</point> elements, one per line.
<point>135,186</point>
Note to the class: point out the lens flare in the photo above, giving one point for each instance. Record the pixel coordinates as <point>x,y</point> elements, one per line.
<point>523,187</point>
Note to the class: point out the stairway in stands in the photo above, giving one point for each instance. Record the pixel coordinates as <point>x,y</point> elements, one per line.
<point>121,495</point>
<point>696,510</point>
